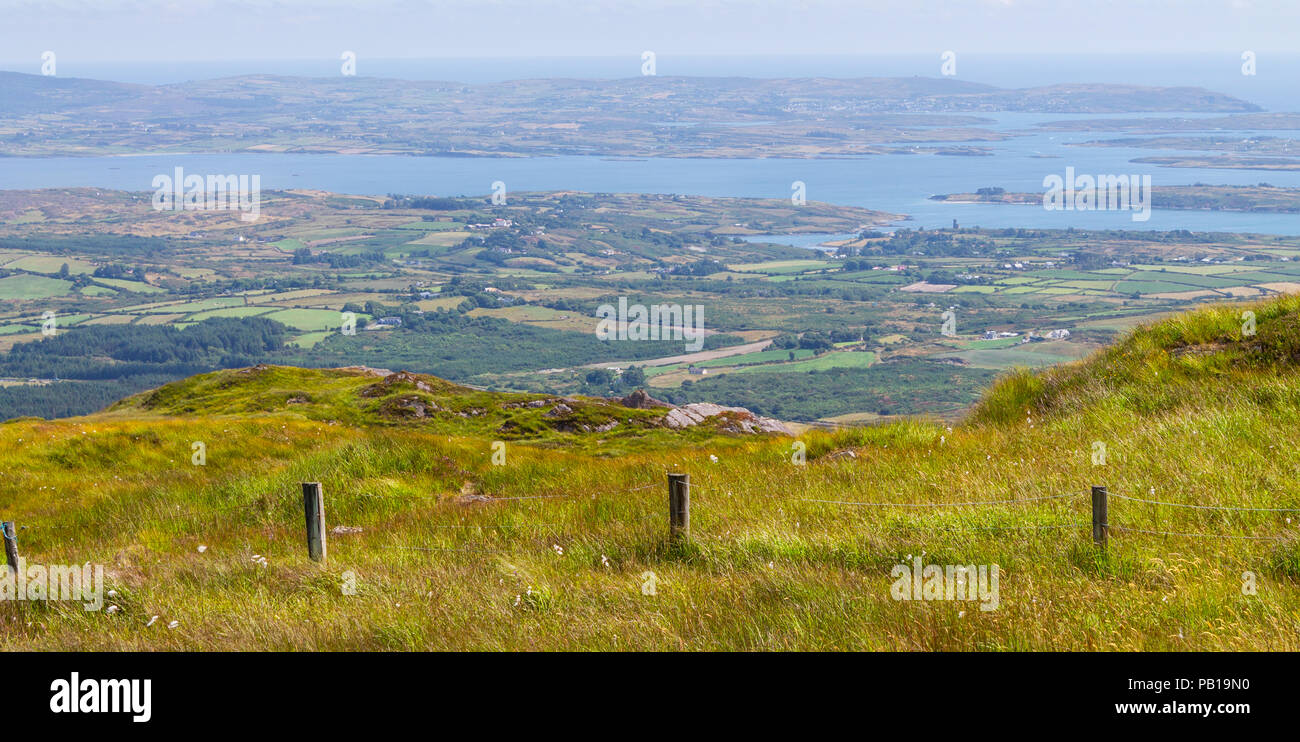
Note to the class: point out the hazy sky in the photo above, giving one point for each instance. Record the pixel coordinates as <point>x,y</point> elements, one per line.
<point>196,30</point>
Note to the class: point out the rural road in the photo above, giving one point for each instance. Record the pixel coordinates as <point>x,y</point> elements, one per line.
<point>704,355</point>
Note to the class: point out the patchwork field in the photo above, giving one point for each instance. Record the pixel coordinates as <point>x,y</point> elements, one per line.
<point>519,284</point>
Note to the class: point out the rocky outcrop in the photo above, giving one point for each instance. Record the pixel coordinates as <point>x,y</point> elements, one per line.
<point>639,400</point>
<point>385,386</point>
<point>366,370</point>
<point>730,419</point>
<point>410,406</point>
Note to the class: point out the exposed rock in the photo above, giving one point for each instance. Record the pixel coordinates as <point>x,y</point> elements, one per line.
<point>747,422</point>
<point>737,419</point>
<point>391,380</point>
<point>639,400</point>
<point>533,404</point>
<point>410,406</point>
<point>559,410</point>
<point>469,494</point>
<point>366,370</point>
<point>843,453</point>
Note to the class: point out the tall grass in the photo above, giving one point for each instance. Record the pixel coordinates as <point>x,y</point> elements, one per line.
<point>1187,411</point>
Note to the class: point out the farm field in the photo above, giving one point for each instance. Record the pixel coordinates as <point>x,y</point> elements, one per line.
<point>446,275</point>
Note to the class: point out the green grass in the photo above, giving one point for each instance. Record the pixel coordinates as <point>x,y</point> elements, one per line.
<point>308,319</point>
<point>229,312</point>
<point>1189,279</point>
<point>761,356</point>
<point>308,340</point>
<point>987,344</point>
<point>1190,411</point>
<point>782,267</point>
<point>289,245</point>
<point>823,362</point>
<point>1006,358</point>
<point>218,302</point>
<point>24,286</point>
<point>132,286</point>
<point>50,264</point>
<point>1152,287</point>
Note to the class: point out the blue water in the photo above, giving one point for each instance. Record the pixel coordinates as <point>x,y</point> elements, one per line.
<point>899,184</point>
<point>894,183</point>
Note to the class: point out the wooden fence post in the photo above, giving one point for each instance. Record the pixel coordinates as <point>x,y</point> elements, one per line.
<point>1100,524</point>
<point>313,505</point>
<point>679,506</point>
<point>11,546</point>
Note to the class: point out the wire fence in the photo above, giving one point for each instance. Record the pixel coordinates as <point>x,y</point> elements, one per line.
<point>1102,522</point>
<point>551,528</point>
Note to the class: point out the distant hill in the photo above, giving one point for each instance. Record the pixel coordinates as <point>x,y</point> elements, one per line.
<point>643,116</point>
<point>366,396</point>
<point>22,94</point>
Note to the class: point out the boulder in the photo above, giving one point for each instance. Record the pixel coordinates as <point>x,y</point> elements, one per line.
<point>735,419</point>
<point>639,400</point>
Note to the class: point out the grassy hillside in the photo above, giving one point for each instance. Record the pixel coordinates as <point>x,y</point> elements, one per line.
<point>551,550</point>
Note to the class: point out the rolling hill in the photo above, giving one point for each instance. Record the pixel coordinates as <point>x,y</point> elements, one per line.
<point>463,532</point>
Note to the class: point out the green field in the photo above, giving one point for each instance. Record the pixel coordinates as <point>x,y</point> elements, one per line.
<point>132,286</point>
<point>309,319</point>
<point>26,286</point>
<point>823,362</point>
<point>762,356</point>
<point>228,312</point>
<point>50,264</point>
<point>1027,356</point>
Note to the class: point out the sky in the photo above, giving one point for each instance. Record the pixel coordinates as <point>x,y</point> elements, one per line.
<point>163,31</point>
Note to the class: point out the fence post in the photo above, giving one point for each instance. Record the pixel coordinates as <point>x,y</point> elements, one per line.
<point>679,506</point>
<point>313,505</point>
<point>1100,524</point>
<point>11,546</point>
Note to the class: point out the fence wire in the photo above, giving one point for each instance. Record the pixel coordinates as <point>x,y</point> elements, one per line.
<point>1203,507</point>
<point>263,507</point>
